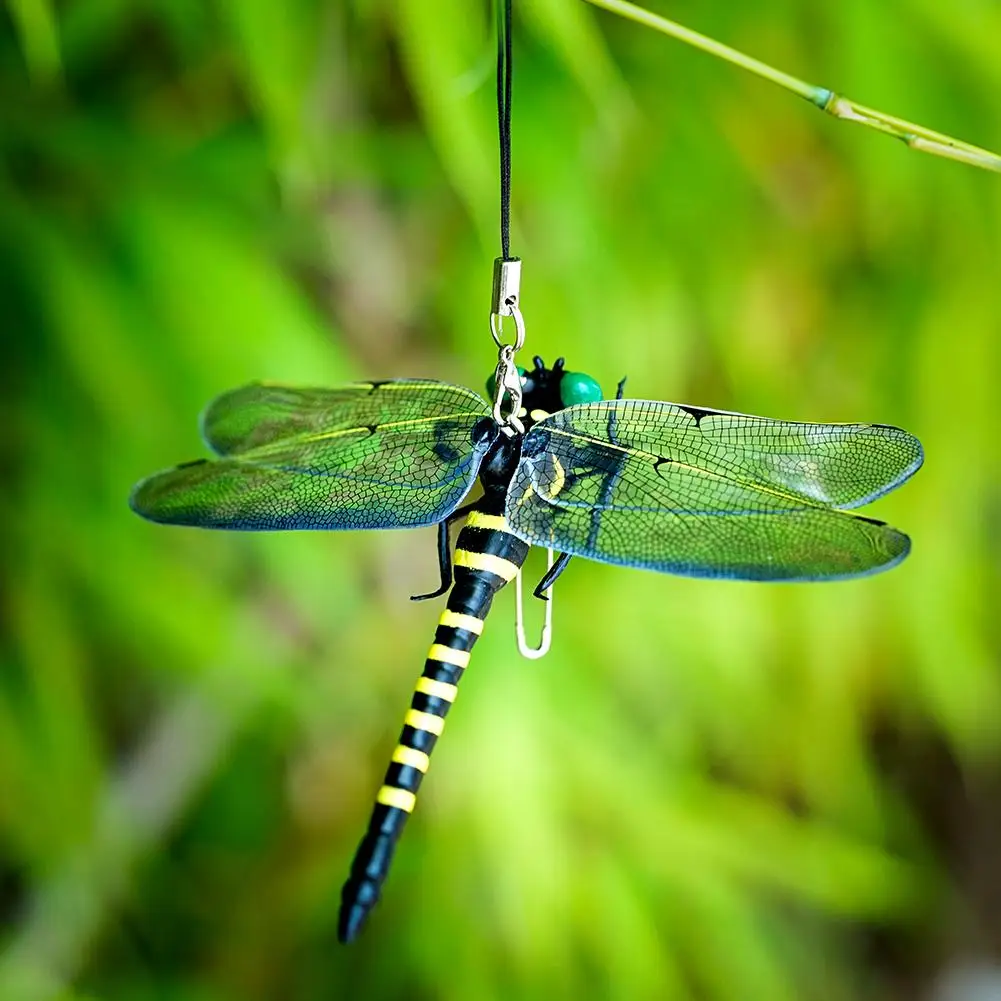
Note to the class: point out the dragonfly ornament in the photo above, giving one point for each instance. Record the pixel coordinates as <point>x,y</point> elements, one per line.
<point>638,483</point>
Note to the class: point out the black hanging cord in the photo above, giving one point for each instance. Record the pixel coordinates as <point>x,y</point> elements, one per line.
<point>504,67</point>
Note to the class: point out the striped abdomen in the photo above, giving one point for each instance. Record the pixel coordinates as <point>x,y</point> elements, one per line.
<point>487,556</point>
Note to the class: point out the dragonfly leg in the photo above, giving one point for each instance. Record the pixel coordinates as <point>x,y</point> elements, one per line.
<point>444,554</point>
<point>551,574</point>
<point>621,389</point>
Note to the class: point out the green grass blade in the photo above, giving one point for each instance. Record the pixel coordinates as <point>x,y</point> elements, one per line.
<point>915,136</point>
<point>35,23</point>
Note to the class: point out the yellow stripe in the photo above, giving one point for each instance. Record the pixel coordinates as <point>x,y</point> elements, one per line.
<point>477,519</point>
<point>555,485</point>
<point>438,689</point>
<point>539,415</point>
<point>486,561</point>
<point>400,798</point>
<point>460,658</point>
<point>403,755</point>
<point>424,721</point>
<point>458,620</point>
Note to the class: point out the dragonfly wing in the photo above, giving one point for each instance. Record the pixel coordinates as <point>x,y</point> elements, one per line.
<point>399,474</point>
<point>259,414</point>
<point>704,494</point>
<point>836,465</point>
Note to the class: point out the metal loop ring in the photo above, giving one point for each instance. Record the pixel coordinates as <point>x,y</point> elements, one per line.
<point>497,329</point>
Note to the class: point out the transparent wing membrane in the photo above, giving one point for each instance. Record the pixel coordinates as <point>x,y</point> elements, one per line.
<point>710,494</point>
<point>259,414</point>
<point>321,459</point>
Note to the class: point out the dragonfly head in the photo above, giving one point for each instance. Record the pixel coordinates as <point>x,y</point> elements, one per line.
<point>551,389</point>
<point>547,390</point>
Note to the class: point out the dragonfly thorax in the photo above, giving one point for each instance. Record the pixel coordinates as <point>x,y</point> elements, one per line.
<point>499,464</point>
<point>545,391</point>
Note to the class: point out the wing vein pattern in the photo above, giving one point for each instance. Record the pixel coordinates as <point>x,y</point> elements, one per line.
<point>371,455</point>
<point>707,493</point>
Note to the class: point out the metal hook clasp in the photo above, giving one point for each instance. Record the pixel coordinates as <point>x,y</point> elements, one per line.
<point>534,653</point>
<point>507,380</point>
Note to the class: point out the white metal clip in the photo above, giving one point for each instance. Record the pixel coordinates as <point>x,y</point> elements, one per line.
<point>534,653</point>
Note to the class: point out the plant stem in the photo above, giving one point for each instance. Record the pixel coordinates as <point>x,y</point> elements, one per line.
<point>915,136</point>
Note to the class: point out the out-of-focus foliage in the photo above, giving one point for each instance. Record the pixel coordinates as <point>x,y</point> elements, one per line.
<point>708,790</point>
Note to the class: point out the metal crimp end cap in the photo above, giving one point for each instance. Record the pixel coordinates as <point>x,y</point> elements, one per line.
<point>507,286</point>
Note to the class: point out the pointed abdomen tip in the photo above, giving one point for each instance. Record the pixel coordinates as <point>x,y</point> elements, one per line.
<point>350,922</point>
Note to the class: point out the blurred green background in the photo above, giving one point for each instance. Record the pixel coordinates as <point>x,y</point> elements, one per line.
<point>708,790</point>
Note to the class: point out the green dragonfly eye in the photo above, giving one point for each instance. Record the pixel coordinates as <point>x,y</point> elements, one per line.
<point>492,382</point>
<point>576,387</point>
